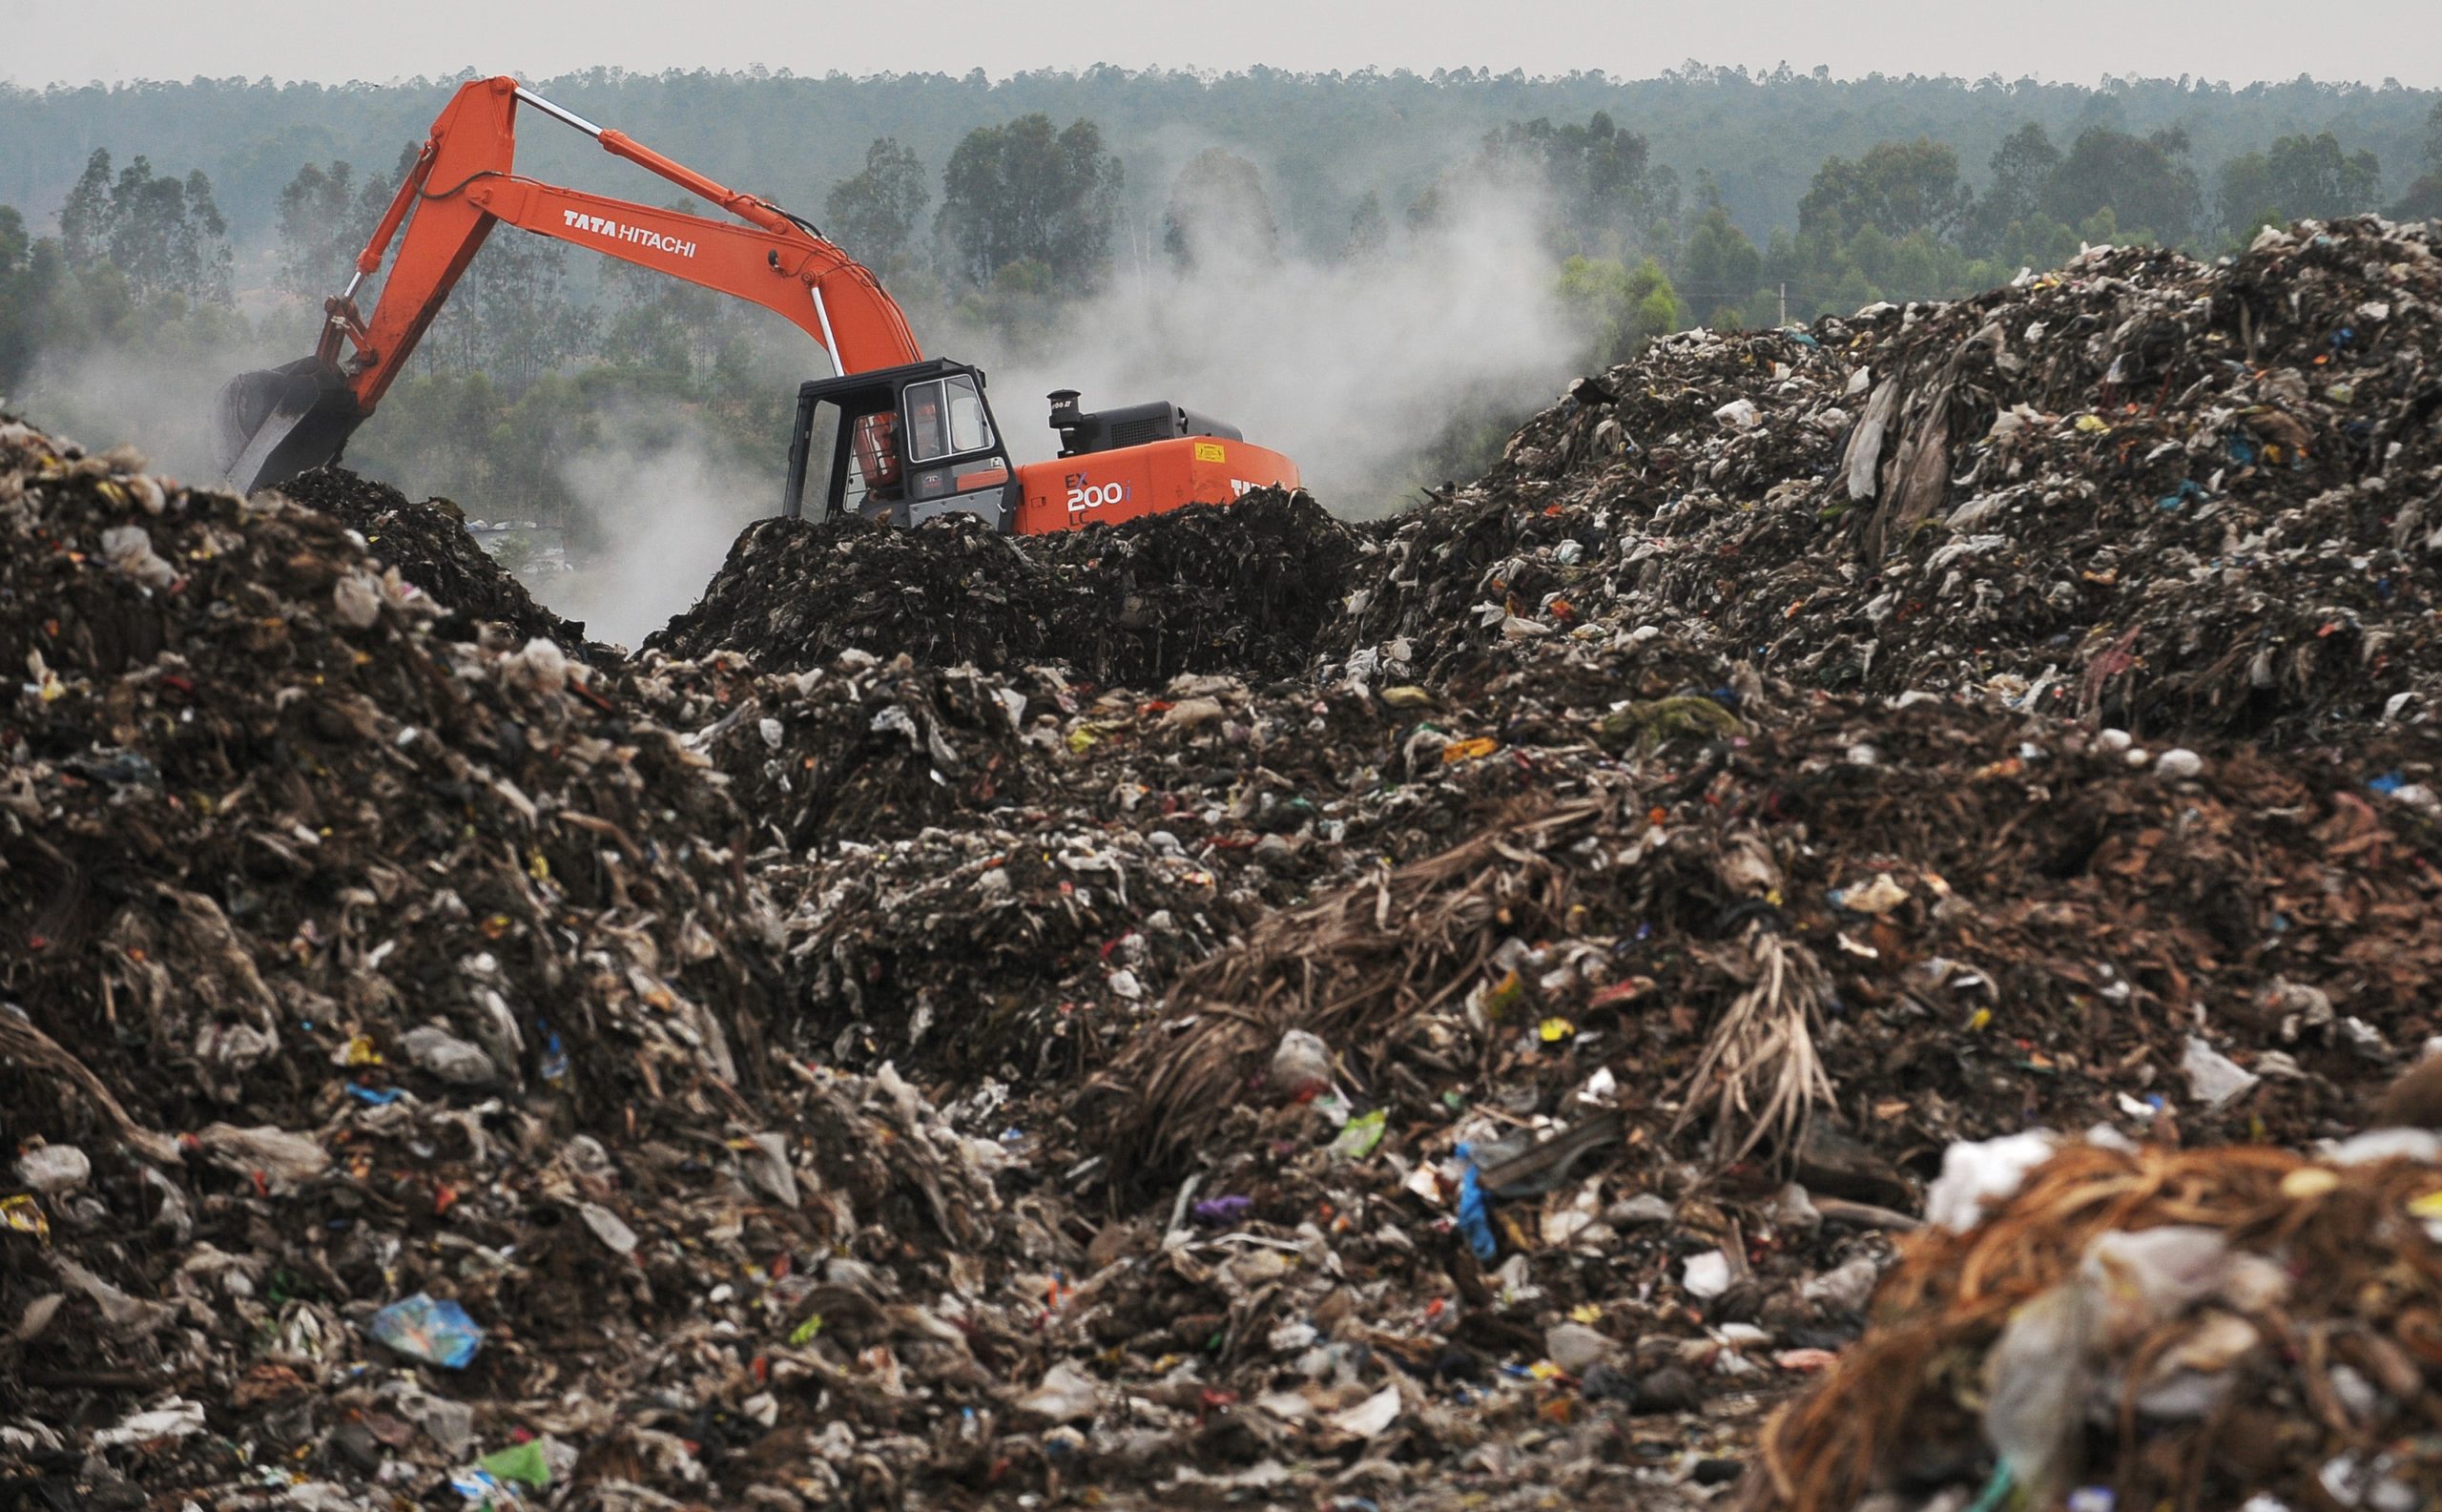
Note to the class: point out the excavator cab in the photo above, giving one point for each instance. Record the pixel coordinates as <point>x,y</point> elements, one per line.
<point>898,445</point>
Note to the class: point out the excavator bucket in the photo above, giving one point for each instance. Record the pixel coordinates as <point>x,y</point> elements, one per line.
<point>275,422</point>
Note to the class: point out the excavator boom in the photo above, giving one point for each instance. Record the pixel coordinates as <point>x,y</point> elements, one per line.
<point>278,422</point>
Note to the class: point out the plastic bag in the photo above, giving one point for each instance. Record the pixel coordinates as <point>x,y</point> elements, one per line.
<point>2035,1382</point>
<point>1706,1275</point>
<point>54,1167</point>
<point>1065,1395</point>
<point>2213,1078</point>
<point>1302,1064</point>
<point>174,1418</point>
<point>521,1463</point>
<point>280,1156</point>
<point>2144,1277</point>
<point>1474,1219</point>
<point>1362,1135</point>
<point>1975,1174</point>
<point>431,1329</point>
<point>445,1055</point>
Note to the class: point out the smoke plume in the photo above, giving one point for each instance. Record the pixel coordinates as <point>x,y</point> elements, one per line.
<point>1350,367</point>
<point>661,519</point>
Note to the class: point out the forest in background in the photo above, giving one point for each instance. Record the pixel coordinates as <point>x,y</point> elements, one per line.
<point>162,229</point>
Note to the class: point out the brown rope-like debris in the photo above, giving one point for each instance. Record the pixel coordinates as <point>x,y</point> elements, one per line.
<point>1945,1304</point>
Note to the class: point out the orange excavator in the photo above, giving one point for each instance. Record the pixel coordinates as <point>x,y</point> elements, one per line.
<point>895,436</point>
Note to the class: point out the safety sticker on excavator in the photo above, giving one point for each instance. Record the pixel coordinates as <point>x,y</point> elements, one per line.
<point>1209,451</point>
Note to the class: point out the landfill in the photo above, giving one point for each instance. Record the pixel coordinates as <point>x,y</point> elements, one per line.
<point>1643,980</point>
<point>2170,498</point>
<point>428,542</point>
<point>1248,588</point>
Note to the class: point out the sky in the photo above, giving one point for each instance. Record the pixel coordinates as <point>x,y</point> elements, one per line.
<point>2072,41</point>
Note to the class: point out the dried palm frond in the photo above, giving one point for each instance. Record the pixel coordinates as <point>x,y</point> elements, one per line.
<point>1346,966</point>
<point>1761,1074</point>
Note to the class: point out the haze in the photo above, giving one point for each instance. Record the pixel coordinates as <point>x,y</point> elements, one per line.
<point>2077,41</point>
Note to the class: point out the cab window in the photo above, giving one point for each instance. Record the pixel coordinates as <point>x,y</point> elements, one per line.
<point>945,418</point>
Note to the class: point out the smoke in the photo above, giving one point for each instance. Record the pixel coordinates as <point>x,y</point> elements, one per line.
<point>662,516</point>
<point>160,401</point>
<point>1352,368</point>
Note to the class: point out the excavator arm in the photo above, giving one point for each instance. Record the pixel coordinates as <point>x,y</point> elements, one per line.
<point>282,421</point>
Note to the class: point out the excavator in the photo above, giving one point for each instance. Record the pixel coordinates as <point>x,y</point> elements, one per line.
<point>894,436</point>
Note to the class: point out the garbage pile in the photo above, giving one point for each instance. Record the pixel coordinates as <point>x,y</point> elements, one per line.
<point>1242,1009</point>
<point>322,929</point>
<point>2141,1327</point>
<point>1495,1061</point>
<point>398,1105</point>
<point>1247,589</point>
<point>1754,913</point>
<point>2165,497</point>
<point>430,546</point>
<point>264,819</point>
<point>1015,856</point>
<point>864,750</point>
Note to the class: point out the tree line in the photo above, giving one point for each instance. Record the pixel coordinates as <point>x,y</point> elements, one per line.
<point>1325,140</point>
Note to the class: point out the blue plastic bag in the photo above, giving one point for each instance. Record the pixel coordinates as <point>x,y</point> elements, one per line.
<point>1474,1219</point>
<point>431,1329</point>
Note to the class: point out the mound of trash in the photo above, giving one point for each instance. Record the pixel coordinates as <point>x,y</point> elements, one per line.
<point>2141,1327</point>
<point>1238,1007</point>
<point>862,751</point>
<point>2177,499</point>
<point>1008,878</point>
<point>1245,588</point>
<point>1751,911</point>
<point>430,546</point>
<point>266,819</point>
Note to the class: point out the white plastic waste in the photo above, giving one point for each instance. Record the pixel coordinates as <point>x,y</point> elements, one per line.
<point>1368,1417</point>
<point>448,1057</point>
<point>1975,1174</point>
<point>1065,1395</point>
<point>608,1228</point>
<point>1706,1275</point>
<point>2213,1078</point>
<point>1302,1064</point>
<point>174,1418</point>
<point>1574,1347</point>
<point>54,1167</point>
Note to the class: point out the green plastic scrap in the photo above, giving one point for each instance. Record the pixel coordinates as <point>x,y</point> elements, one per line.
<point>1361,1137</point>
<point>1645,725</point>
<point>521,1464</point>
<point>806,1330</point>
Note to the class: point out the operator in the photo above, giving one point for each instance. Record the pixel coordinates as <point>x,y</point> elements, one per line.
<point>878,459</point>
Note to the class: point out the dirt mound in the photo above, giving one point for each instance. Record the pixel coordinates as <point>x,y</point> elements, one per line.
<point>430,546</point>
<point>2174,498</point>
<point>1247,590</point>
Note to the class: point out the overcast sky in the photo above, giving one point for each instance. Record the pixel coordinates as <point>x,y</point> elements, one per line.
<point>2076,41</point>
